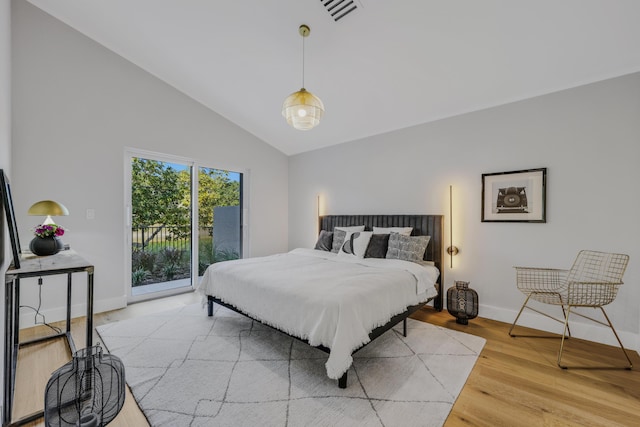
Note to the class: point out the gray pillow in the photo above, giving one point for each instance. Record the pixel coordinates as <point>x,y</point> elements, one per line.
<point>407,248</point>
<point>338,240</point>
<point>377,246</point>
<point>325,241</point>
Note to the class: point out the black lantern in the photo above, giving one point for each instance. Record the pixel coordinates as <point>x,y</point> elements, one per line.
<point>89,391</point>
<point>462,302</point>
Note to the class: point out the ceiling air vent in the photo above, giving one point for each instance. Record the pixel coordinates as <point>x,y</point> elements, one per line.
<point>338,9</point>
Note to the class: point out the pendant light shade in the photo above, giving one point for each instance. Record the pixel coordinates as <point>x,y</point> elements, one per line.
<point>302,109</point>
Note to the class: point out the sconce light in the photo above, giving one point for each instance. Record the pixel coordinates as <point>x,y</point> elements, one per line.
<point>48,208</point>
<point>318,212</point>
<point>451,250</point>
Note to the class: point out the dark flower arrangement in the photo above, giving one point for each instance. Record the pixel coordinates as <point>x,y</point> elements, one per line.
<point>48,230</point>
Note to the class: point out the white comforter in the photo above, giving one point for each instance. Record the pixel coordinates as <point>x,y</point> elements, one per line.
<point>327,299</point>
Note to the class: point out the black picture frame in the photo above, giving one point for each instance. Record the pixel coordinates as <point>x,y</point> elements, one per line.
<point>10,215</point>
<point>515,196</point>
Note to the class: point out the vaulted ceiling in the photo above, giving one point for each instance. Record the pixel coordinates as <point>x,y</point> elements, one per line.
<point>384,66</point>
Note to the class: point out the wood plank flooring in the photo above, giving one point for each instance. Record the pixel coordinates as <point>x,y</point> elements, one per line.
<point>515,382</point>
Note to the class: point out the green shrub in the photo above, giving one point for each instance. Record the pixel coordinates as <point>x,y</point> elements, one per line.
<point>224,255</point>
<point>169,271</point>
<point>141,259</point>
<point>138,276</point>
<point>170,255</point>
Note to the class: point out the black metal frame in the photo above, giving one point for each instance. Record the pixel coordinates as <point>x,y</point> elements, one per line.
<point>342,381</point>
<point>7,204</point>
<point>12,321</point>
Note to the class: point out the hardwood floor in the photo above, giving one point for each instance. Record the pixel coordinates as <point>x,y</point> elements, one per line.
<point>515,382</point>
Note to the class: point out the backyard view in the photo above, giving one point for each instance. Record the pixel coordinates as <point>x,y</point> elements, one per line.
<point>161,198</point>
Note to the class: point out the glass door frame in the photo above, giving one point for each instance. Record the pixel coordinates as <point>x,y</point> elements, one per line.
<point>195,166</point>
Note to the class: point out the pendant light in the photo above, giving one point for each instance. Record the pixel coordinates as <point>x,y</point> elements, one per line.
<point>302,109</point>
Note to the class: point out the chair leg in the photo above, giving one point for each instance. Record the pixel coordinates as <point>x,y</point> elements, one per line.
<point>566,317</point>
<point>617,338</point>
<point>605,324</point>
<point>526,301</point>
<point>518,316</point>
<point>564,333</point>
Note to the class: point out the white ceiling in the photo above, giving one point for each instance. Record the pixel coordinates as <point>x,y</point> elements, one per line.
<point>386,66</point>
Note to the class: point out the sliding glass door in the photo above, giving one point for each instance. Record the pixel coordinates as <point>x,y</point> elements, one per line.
<point>182,217</point>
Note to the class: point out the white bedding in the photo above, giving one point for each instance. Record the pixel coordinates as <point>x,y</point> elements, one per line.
<point>316,295</point>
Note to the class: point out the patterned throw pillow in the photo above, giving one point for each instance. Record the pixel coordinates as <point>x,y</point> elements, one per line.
<point>325,241</point>
<point>407,248</point>
<point>355,244</point>
<point>338,240</point>
<point>339,234</point>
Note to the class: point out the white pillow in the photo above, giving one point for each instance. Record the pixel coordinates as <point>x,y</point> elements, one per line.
<point>405,231</point>
<point>339,233</point>
<point>355,244</point>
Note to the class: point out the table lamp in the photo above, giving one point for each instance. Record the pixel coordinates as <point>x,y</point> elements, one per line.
<point>47,240</point>
<point>48,208</point>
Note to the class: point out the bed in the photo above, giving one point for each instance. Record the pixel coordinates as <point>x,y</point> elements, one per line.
<point>336,301</point>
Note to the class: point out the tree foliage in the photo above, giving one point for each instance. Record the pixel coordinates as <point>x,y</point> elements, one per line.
<point>161,194</point>
<point>215,189</point>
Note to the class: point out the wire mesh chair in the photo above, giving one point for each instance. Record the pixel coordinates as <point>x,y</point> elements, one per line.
<point>592,281</point>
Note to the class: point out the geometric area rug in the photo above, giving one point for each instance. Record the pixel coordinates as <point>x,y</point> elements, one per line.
<point>187,369</point>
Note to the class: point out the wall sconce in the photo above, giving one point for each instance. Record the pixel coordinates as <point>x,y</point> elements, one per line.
<point>451,250</point>
<point>48,208</point>
<point>318,213</point>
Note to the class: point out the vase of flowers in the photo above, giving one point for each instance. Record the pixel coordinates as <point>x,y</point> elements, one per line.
<point>47,240</point>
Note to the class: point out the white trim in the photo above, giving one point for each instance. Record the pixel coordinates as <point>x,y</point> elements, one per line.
<point>583,329</point>
<point>59,314</point>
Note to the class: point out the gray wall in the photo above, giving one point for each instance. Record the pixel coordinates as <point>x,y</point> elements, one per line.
<point>76,107</point>
<point>587,137</point>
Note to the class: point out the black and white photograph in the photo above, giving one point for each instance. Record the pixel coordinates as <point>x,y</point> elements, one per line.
<point>517,196</point>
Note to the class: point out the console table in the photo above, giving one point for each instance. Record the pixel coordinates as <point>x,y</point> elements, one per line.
<point>64,262</point>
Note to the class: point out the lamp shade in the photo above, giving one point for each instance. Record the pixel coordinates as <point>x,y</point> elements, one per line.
<point>49,208</point>
<point>303,110</point>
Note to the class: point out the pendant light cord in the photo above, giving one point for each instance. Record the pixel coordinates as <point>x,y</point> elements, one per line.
<point>303,61</point>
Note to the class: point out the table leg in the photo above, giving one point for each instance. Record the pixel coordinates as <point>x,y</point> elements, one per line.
<point>68,303</point>
<point>16,327</point>
<point>8,348</point>
<point>90,307</point>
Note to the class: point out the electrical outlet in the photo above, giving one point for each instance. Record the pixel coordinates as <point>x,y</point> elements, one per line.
<point>91,214</point>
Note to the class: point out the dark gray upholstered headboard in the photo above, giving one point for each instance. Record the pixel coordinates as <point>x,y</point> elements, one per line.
<point>423,225</point>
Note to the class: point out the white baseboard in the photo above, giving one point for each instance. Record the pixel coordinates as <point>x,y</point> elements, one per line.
<point>77,310</point>
<point>580,328</point>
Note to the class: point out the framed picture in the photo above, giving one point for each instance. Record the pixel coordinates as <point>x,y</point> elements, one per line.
<point>517,196</point>
<point>7,205</point>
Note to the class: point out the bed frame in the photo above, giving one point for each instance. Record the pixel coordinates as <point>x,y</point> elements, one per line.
<point>423,225</point>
